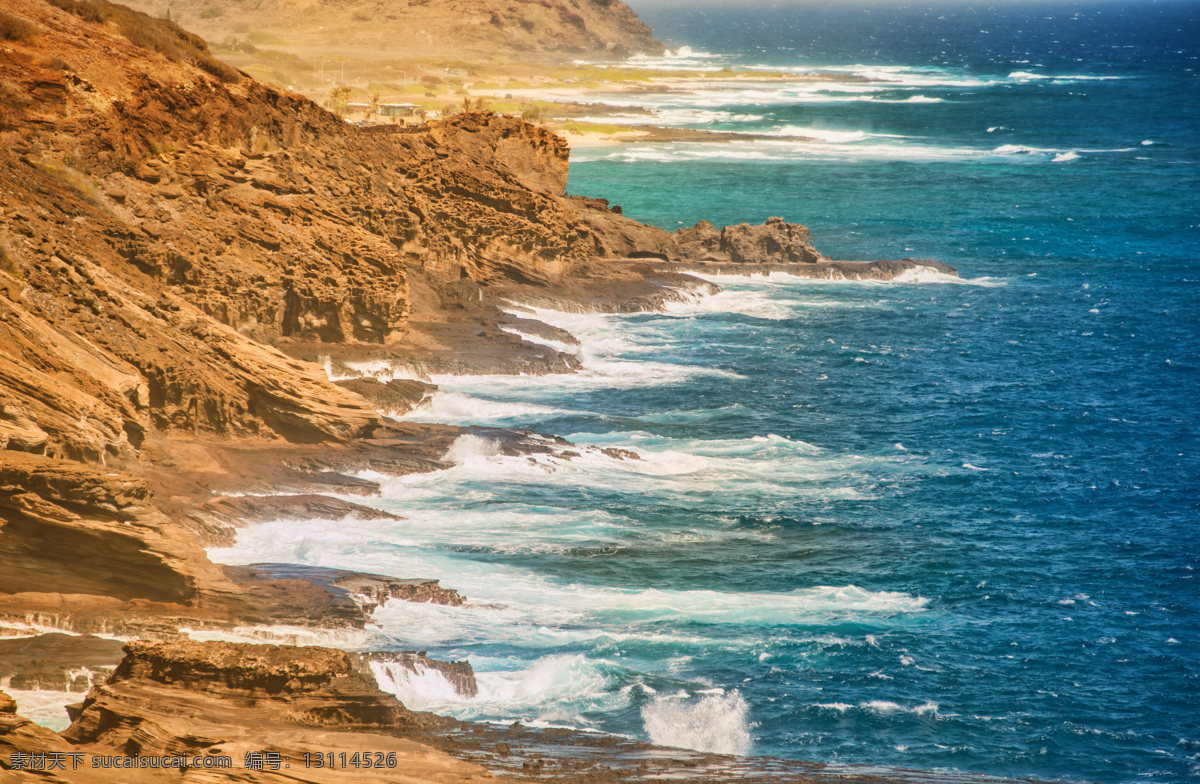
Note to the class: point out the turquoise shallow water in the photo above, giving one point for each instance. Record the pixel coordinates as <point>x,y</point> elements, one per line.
<point>934,524</point>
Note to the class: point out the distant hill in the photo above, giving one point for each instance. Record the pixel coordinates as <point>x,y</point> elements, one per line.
<point>471,29</point>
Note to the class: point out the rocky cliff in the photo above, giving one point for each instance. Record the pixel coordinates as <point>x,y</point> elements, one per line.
<point>186,258</point>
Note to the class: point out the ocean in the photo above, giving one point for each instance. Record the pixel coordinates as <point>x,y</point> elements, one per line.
<point>937,523</point>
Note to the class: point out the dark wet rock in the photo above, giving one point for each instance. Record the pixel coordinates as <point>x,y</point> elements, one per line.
<point>57,662</point>
<point>459,674</point>
<point>882,270</point>
<point>221,517</point>
<point>364,591</point>
<point>396,397</point>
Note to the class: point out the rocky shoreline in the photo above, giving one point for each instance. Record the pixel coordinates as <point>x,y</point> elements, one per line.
<point>199,275</point>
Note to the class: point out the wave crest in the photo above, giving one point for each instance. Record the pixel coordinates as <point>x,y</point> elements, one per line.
<point>718,723</point>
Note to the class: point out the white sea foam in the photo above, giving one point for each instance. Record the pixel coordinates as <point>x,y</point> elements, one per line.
<point>825,134</point>
<point>1020,149</point>
<point>469,449</point>
<point>754,303</point>
<point>19,629</point>
<point>666,115</point>
<point>1027,76</point>
<point>810,143</point>
<point>45,707</point>
<point>346,639</point>
<point>381,369</point>
<point>1064,157</point>
<point>535,609</point>
<point>716,723</point>
<point>455,408</point>
<point>555,690</point>
<point>918,274</point>
<point>421,688</point>
<point>882,707</point>
<point>685,58</point>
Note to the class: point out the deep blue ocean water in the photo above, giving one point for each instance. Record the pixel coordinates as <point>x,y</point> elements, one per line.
<point>930,524</point>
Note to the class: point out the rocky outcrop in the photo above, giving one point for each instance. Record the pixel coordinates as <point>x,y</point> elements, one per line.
<point>776,241</point>
<point>70,529</point>
<point>207,702</point>
<point>395,397</point>
<point>227,700</point>
<point>165,233</point>
<point>358,593</point>
<point>215,522</point>
<point>57,662</point>
<point>458,674</point>
<point>84,550</point>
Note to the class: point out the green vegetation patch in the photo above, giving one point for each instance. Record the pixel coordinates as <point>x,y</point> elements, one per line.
<point>73,179</point>
<point>9,264</point>
<point>264,39</point>
<point>13,101</point>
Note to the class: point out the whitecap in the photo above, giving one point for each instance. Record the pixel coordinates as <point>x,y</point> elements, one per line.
<point>717,723</point>
<point>556,688</point>
<point>455,408</point>
<point>470,448</point>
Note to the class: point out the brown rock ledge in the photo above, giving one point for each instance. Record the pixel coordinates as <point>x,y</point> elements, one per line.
<point>211,700</point>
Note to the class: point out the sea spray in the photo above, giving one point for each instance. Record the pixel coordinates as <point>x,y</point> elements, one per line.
<point>469,448</point>
<point>716,723</point>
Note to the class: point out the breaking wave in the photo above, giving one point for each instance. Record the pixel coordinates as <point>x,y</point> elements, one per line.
<point>717,723</point>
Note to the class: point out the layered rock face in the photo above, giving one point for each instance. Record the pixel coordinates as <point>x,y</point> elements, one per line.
<point>162,229</point>
<point>56,517</point>
<point>170,235</point>
<point>211,702</point>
